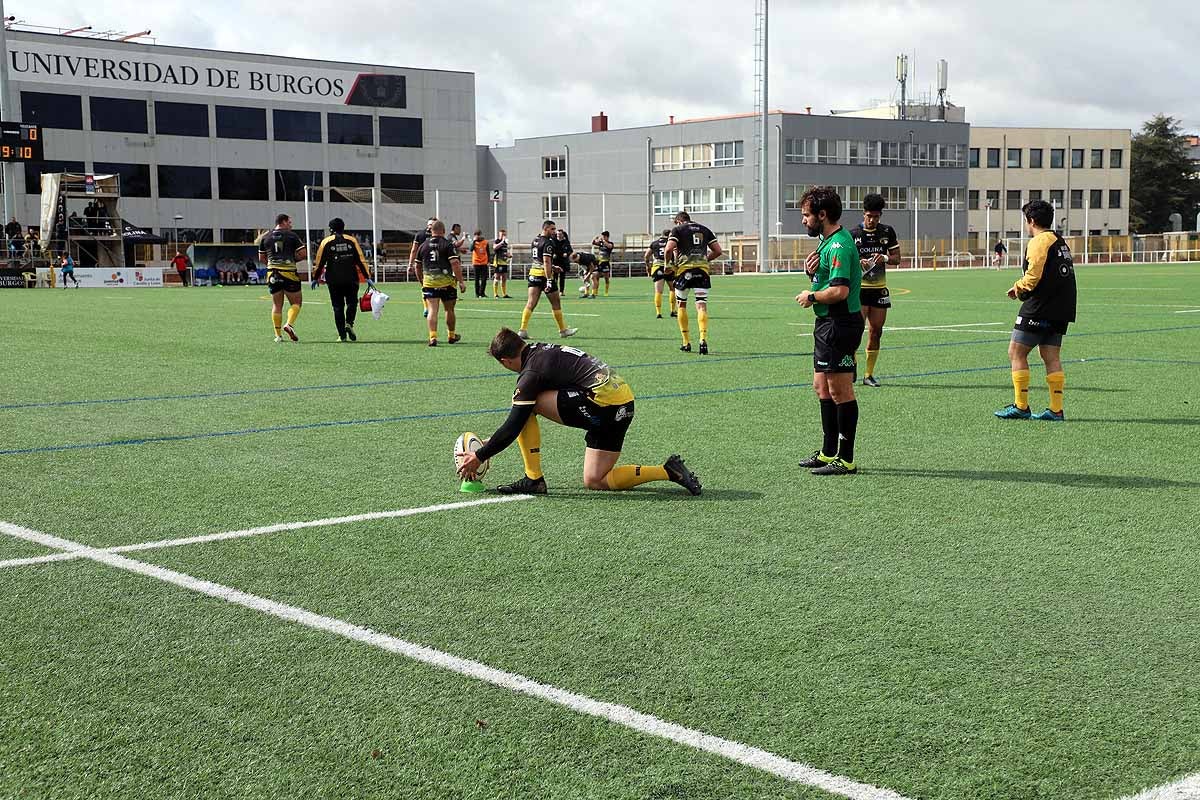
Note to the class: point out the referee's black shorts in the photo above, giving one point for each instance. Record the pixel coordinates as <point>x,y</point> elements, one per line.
<point>835,341</point>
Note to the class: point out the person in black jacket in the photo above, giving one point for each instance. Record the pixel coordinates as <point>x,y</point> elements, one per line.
<point>340,259</point>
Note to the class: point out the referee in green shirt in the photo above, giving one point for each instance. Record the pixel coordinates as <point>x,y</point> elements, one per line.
<point>834,297</point>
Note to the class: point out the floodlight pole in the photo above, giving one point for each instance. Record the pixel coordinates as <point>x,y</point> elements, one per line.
<point>374,230</point>
<point>763,188</point>
<point>912,198</point>
<point>7,115</point>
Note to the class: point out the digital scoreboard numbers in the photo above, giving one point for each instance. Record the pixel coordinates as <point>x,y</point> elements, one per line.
<point>20,141</point>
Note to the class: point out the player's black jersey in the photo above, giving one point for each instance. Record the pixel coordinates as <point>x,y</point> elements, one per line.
<point>542,246</point>
<point>691,241</point>
<point>603,249</point>
<point>280,247</point>
<point>341,259</point>
<point>500,249</point>
<point>881,240</point>
<point>588,262</point>
<point>435,255</point>
<point>658,249</point>
<point>553,366</point>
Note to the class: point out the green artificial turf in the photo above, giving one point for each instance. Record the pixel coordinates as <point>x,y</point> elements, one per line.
<point>997,609</point>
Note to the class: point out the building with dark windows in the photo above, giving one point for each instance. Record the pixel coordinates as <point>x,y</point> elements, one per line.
<point>634,180</point>
<point>228,140</point>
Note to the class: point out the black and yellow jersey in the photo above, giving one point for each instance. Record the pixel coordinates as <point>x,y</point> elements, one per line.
<point>871,242</point>
<point>602,250</point>
<point>691,242</point>
<point>500,251</point>
<point>541,247</point>
<point>555,367</point>
<point>658,253</point>
<point>280,247</point>
<point>341,260</point>
<point>1047,286</point>
<point>588,262</point>
<point>437,257</point>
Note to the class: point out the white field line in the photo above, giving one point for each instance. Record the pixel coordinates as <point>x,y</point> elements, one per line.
<point>944,327</point>
<point>460,310</point>
<point>1183,789</point>
<point>621,715</point>
<point>277,528</point>
<point>1189,311</point>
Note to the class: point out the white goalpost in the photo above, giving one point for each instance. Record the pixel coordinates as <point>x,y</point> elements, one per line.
<point>356,196</point>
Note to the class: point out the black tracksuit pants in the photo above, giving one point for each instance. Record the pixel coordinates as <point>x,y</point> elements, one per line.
<point>344,297</point>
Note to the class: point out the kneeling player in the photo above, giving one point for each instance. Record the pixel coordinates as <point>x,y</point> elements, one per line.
<point>572,388</point>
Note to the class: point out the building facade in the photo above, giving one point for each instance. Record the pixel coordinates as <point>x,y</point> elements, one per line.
<point>227,140</point>
<point>632,181</point>
<point>1083,172</point>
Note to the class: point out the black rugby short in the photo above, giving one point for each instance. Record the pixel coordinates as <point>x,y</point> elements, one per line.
<point>835,340</point>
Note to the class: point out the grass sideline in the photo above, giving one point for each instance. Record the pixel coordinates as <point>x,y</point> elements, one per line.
<point>953,637</point>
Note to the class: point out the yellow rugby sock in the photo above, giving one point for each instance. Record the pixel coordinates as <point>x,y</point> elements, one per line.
<point>1020,379</point>
<point>702,321</point>
<point>293,312</point>
<point>525,315</point>
<point>657,303</point>
<point>683,324</point>
<point>872,357</point>
<point>558,317</point>
<point>1056,381</point>
<point>530,441</point>
<point>277,321</point>
<point>627,477</point>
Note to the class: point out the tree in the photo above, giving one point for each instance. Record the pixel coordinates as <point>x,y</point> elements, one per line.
<point>1162,177</point>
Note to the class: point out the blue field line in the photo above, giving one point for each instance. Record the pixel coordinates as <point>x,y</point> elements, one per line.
<point>490,375</point>
<point>450,414</point>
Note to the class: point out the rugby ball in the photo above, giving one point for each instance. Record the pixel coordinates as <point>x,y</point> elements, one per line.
<point>468,443</point>
<point>583,290</point>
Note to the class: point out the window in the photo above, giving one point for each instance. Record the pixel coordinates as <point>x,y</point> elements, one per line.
<point>1056,158</point>
<point>993,198</point>
<point>890,153</point>
<point>1056,198</point>
<point>554,206</point>
<point>1013,200</point>
<point>555,166</point>
<point>1115,159</point>
<point>895,196</point>
<point>349,180</point>
<point>1035,158</point>
<point>1035,194</point>
<point>1114,232</point>
<point>52,110</point>
<point>1013,235</point>
<point>290,183</point>
<point>402,188</point>
<point>242,236</point>
<point>1096,198</point>
<point>1014,158</point>
<point>34,170</point>
<point>950,155</point>
<point>950,198</point>
<point>297,126</point>
<point>800,151</point>
<point>827,151</point>
<point>1097,159</point>
<point>728,198</point>
<point>1114,197</point>
<point>973,200</point>
<point>357,129</point>
<point>180,119</point>
<point>862,152</point>
<point>119,115</point>
<point>1077,198</point>
<point>135,178</point>
<point>1076,232</point>
<point>925,155</point>
<point>973,159</point>
<point>728,154</point>
<point>238,183</point>
<point>669,202</point>
<point>401,132</point>
<point>239,122</point>
<point>993,156</point>
<point>1095,232</point>
<point>185,183</point>
<point>791,195</point>
<point>697,156</point>
<point>1077,158</point>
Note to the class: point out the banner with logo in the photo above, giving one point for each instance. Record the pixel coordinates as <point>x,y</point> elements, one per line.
<point>100,278</point>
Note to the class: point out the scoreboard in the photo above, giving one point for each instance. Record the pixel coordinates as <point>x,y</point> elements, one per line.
<point>20,141</point>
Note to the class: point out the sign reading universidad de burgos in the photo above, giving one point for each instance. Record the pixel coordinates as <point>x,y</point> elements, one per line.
<point>161,70</point>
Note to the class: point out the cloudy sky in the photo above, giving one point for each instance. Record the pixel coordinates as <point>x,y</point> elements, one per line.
<point>545,67</point>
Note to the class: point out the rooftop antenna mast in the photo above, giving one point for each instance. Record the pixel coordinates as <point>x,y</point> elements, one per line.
<point>943,74</point>
<point>902,77</point>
